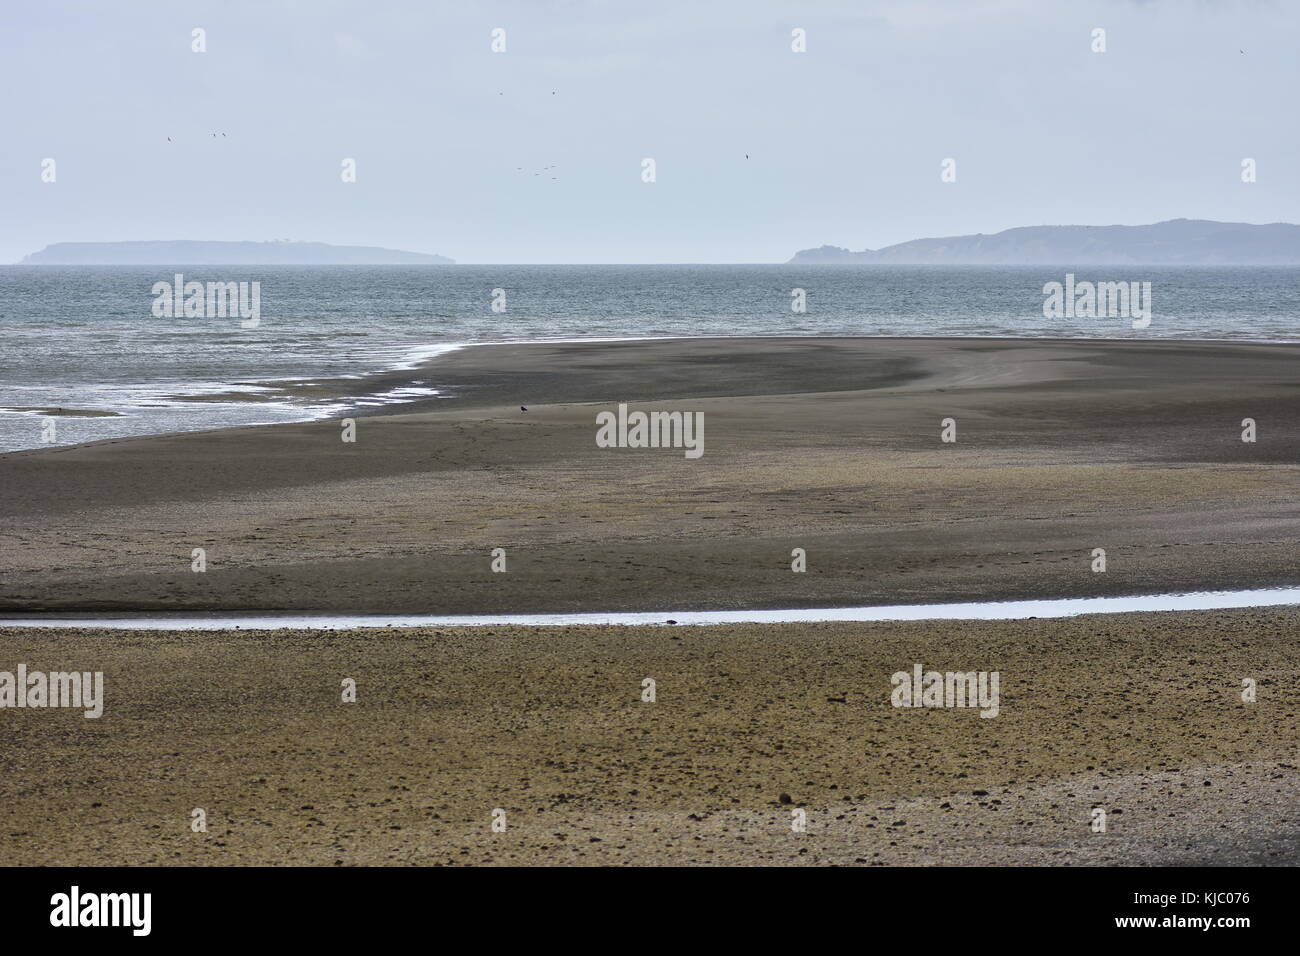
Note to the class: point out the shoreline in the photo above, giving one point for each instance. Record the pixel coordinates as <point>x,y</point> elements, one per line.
<point>411,373</point>
<point>827,444</point>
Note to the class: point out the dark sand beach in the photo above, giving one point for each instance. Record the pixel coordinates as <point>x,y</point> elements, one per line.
<point>831,445</point>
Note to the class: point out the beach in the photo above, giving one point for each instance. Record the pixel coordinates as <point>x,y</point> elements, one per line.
<point>832,446</point>
<point>829,445</point>
<point>1139,715</point>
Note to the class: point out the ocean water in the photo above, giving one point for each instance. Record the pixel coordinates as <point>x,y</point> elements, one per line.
<point>85,340</point>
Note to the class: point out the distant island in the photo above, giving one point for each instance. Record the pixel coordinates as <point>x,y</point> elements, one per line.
<point>198,253</point>
<point>1177,242</point>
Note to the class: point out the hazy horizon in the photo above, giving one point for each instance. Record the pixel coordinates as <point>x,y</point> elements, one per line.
<point>534,155</point>
<point>795,260</point>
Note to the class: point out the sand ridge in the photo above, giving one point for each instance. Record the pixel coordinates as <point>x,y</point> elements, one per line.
<point>829,445</point>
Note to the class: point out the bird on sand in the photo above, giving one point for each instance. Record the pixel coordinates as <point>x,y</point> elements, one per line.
<point>522,409</point>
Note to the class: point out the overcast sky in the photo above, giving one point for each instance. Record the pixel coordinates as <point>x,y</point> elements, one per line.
<point>845,141</point>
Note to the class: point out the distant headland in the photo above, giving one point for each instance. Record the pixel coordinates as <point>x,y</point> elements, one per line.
<point>1191,242</point>
<point>184,252</point>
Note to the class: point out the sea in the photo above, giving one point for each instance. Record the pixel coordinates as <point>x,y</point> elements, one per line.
<point>87,348</point>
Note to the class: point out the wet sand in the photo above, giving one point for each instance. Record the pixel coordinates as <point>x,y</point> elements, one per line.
<point>830,445</point>
<point>1140,715</point>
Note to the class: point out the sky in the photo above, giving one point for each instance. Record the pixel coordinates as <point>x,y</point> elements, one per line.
<point>845,141</point>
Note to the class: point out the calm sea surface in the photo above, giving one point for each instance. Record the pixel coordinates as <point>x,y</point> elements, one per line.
<point>86,339</point>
